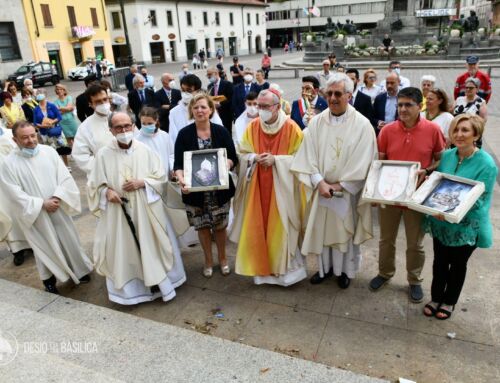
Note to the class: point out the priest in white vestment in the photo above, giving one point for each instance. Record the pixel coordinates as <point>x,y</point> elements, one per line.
<point>179,115</point>
<point>132,248</point>
<point>15,239</point>
<point>333,163</point>
<point>93,133</point>
<point>43,196</point>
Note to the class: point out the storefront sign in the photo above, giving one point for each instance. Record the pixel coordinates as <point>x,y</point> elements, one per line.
<point>171,36</point>
<point>435,12</point>
<point>119,39</point>
<point>155,37</point>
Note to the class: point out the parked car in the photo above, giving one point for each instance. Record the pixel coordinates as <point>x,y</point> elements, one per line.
<point>39,73</point>
<point>80,71</point>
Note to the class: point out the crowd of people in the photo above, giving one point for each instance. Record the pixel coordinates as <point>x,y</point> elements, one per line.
<point>297,172</point>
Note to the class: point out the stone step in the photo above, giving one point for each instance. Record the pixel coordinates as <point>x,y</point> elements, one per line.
<point>123,347</point>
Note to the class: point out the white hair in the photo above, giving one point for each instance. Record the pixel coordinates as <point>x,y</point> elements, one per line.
<point>474,80</point>
<point>265,92</point>
<point>137,78</point>
<point>341,77</point>
<point>428,77</point>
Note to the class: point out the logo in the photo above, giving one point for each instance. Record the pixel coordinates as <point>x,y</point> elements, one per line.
<point>8,348</point>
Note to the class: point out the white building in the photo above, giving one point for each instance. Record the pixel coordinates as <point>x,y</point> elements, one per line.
<point>166,31</point>
<point>287,19</point>
<point>15,46</point>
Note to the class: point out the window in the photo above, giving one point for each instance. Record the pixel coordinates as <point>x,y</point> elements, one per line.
<point>257,21</point>
<point>400,5</point>
<point>72,16</point>
<point>47,19</point>
<point>231,18</point>
<point>426,4</point>
<point>205,18</point>
<point>9,48</point>
<point>188,18</point>
<point>117,22</point>
<point>248,18</point>
<point>95,20</point>
<point>152,18</point>
<point>169,19</point>
<point>217,18</point>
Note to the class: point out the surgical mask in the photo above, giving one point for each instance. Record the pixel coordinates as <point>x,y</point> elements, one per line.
<point>103,109</point>
<point>212,80</point>
<point>40,97</point>
<point>172,84</point>
<point>397,70</point>
<point>252,110</point>
<point>141,89</point>
<point>148,130</point>
<point>30,152</point>
<point>186,97</point>
<point>125,138</point>
<point>265,115</point>
<point>248,78</point>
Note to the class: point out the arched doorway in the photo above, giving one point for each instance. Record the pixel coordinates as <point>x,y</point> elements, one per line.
<point>258,44</point>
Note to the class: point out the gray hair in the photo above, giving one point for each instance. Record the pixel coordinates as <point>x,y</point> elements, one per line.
<point>428,77</point>
<point>113,114</point>
<point>137,78</point>
<point>474,80</point>
<point>341,77</point>
<point>265,92</point>
<point>133,66</point>
<point>165,75</point>
<point>393,74</point>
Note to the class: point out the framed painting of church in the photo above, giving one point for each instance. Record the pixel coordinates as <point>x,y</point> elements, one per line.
<point>206,170</point>
<point>391,182</point>
<point>446,195</point>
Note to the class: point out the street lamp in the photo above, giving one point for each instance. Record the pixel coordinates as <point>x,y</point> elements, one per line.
<point>130,58</point>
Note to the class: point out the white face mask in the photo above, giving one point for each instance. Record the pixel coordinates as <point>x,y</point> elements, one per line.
<point>30,152</point>
<point>172,84</point>
<point>125,138</point>
<point>248,78</point>
<point>397,70</point>
<point>265,115</point>
<point>103,109</point>
<point>252,111</point>
<point>186,97</point>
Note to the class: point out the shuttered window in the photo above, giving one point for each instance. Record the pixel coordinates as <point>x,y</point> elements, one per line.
<point>47,19</point>
<point>95,20</point>
<point>72,16</point>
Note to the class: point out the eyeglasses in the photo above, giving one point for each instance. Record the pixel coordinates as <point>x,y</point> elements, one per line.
<point>122,128</point>
<point>372,78</point>
<point>265,106</point>
<point>337,94</point>
<point>470,87</point>
<point>406,104</point>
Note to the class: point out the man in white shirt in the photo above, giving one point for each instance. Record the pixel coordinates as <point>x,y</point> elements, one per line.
<point>149,81</point>
<point>93,133</point>
<point>244,119</point>
<point>325,74</point>
<point>395,66</point>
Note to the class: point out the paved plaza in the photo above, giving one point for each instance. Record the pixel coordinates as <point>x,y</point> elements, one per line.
<point>380,335</point>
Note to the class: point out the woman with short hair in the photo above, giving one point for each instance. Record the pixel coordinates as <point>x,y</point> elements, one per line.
<point>370,86</point>
<point>454,243</point>
<point>207,211</point>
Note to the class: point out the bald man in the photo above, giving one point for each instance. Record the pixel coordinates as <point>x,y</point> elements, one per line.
<point>166,98</point>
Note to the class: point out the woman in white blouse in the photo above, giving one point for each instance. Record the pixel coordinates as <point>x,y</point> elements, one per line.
<point>437,110</point>
<point>370,86</point>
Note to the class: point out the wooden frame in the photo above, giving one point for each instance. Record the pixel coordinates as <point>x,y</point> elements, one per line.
<point>206,170</point>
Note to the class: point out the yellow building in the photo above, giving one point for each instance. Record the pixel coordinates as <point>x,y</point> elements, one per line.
<point>66,32</point>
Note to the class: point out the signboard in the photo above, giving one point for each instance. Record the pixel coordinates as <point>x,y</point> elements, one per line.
<point>119,40</point>
<point>171,36</point>
<point>155,37</point>
<point>435,12</point>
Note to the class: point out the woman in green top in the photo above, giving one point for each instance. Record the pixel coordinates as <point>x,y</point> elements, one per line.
<point>65,105</point>
<point>455,243</point>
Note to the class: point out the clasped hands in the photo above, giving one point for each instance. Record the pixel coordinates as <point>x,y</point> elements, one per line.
<point>129,186</point>
<point>51,204</point>
<point>324,188</point>
<point>265,159</point>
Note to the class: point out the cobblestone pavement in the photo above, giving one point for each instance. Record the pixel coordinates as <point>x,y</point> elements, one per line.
<point>379,334</point>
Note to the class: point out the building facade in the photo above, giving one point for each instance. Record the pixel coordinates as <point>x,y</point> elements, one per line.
<point>286,20</point>
<point>166,31</point>
<point>66,32</point>
<point>483,9</point>
<point>14,42</point>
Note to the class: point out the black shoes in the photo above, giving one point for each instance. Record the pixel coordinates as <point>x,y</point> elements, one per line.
<point>316,279</point>
<point>50,285</point>
<point>343,281</point>
<point>377,282</point>
<point>19,258</point>
<point>85,279</point>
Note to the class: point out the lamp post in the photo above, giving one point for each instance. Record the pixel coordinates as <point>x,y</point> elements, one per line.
<point>130,58</point>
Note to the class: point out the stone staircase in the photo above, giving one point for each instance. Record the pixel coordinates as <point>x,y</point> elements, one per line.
<point>60,339</point>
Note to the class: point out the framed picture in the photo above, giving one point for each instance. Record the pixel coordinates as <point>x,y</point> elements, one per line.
<point>448,195</point>
<point>206,170</point>
<point>391,182</point>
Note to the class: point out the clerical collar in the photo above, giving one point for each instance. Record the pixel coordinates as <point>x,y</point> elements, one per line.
<point>338,119</point>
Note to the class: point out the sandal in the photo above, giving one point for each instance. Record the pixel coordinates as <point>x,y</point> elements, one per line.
<point>445,312</point>
<point>430,309</point>
<point>207,272</point>
<point>225,270</point>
